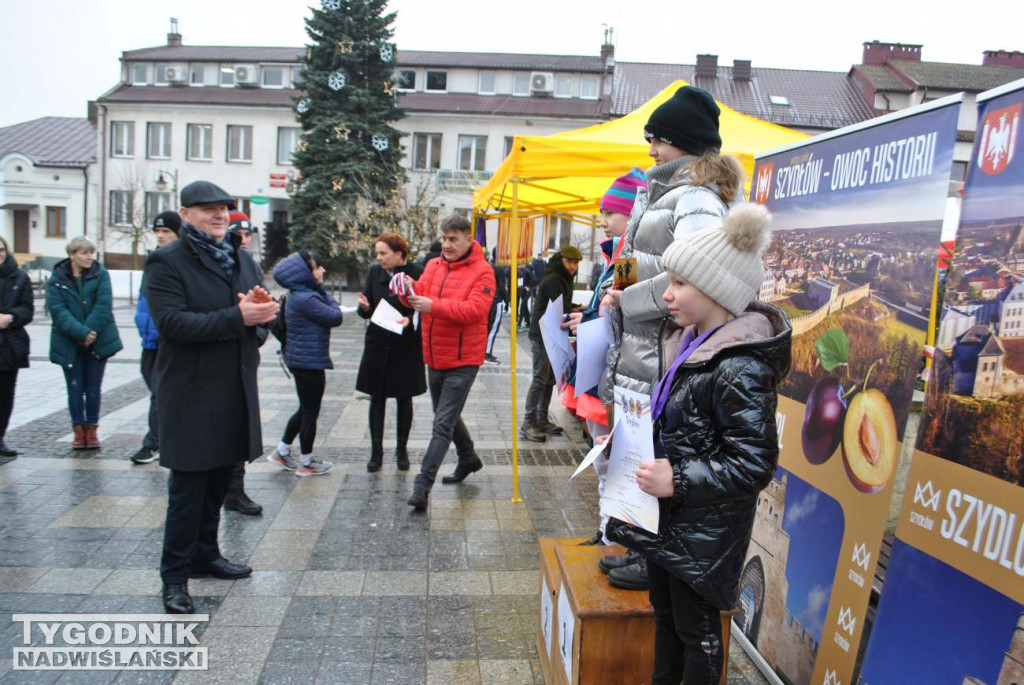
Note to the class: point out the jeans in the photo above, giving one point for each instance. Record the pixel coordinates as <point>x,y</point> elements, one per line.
<point>152,439</point>
<point>538,398</point>
<point>687,632</point>
<point>309,384</point>
<point>84,379</point>
<point>449,389</point>
<point>378,412</point>
<point>194,499</point>
<point>8,381</point>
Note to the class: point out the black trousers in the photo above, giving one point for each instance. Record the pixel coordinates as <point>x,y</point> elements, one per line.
<point>687,632</point>
<point>309,384</point>
<point>8,381</point>
<point>523,317</point>
<point>152,439</point>
<point>378,411</point>
<point>194,499</point>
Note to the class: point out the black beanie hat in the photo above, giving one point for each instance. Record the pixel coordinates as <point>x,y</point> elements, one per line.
<point>171,220</point>
<point>688,120</point>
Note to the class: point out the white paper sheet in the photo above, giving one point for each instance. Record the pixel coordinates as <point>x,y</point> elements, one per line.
<point>547,609</point>
<point>556,342</point>
<point>634,444</point>
<point>566,631</point>
<point>387,317</point>
<point>593,454</point>
<point>591,354</point>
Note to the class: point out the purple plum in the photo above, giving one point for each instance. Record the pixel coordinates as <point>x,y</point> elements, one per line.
<point>823,420</point>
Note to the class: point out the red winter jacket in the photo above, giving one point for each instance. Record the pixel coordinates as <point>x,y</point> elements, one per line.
<point>455,330</point>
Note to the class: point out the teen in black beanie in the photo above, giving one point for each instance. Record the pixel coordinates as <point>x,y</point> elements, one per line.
<point>688,120</point>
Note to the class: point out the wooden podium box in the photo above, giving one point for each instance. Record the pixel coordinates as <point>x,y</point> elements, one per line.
<point>550,582</point>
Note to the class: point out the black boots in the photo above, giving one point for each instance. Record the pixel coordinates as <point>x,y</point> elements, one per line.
<point>418,500</point>
<point>376,457</point>
<point>530,431</point>
<point>462,471</point>
<point>402,456</point>
<point>240,502</point>
<point>631,577</point>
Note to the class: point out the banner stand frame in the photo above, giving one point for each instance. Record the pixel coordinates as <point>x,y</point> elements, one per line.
<point>755,656</point>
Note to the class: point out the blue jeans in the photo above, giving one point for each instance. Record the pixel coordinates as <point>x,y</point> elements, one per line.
<point>84,379</point>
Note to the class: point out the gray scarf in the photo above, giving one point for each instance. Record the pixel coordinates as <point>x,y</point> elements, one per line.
<point>222,252</point>
<point>662,178</point>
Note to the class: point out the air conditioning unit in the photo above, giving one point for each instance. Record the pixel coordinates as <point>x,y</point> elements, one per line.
<point>246,75</point>
<point>542,82</point>
<point>176,74</point>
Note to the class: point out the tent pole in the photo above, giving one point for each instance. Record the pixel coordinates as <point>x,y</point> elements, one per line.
<point>513,279</point>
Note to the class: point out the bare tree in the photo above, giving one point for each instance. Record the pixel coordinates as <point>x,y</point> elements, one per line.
<point>134,223</point>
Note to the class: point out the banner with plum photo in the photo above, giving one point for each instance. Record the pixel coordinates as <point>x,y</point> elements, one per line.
<point>857,216</point>
<point>952,607</point>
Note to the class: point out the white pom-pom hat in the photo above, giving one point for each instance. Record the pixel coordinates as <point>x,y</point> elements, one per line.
<point>725,262</point>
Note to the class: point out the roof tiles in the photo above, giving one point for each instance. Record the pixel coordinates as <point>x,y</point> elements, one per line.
<point>52,141</point>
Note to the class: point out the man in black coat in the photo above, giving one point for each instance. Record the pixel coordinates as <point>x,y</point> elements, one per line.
<point>205,299</point>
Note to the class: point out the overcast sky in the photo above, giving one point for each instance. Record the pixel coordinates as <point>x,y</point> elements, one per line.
<point>58,54</point>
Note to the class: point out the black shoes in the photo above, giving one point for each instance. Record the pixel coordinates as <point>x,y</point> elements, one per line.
<point>376,458</point>
<point>220,568</point>
<point>632,577</point>
<point>177,599</point>
<point>402,457</point>
<point>530,431</point>
<point>607,564</point>
<point>240,502</point>
<point>6,451</point>
<point>145,456</point>
<point>462,472</point>
<point>597,539</point>
<point>548,427</point>
<point>418,500</point>
<point>491,359</point>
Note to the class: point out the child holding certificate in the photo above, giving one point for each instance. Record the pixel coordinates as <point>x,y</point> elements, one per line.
<point>715,440</point>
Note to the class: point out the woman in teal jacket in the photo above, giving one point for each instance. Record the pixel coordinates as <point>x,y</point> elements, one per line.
<point>84,335</point>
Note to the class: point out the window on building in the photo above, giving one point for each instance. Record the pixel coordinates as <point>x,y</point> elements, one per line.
<point>273,77</point>
<point>486,83</point>
<point>158,140</point>
<point>287,143</point>
<point>437,80</point>
<point>560,233</point>
<point>227,75</point>
<point>200,142</point>
<point>122,139</point>
<point>959,172</point>
<point>120,208</point>
<point>563,86</point>
<point>140,74</point>
<point>472,152</point>
<point>156,203</point>
<point>239,143</point>
<point>56,222</point>
<point>588,87</point>
<point>509,141</point>
<point>521,84</point>
<point>426,151</point>
<point>296,76</point>
<point>406,79</point>
<point>160,74</point>
<point>780,100</point>
<point>244,205</point>
<point>197,74</point>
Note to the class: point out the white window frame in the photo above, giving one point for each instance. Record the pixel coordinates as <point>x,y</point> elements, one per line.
<point>294,76</point>
<point>426,81</point>
<point>433,142</point>
<point>193,71</point>
<point>283,132</point>
<point>245,141</point>
<point>160,74</point>
<point>780,101</point>
<point>226,69</point>
<point>268,68</point>
<point>206,141</point>
<point>563,79</point>
<point>480,83</point>
<point>122,139</point>
<point>509,142</point>
<point>474,163</point>
<point>415,78</point>
<point>590,80</point>
<point>157,203</point>
<point>164,139</point>
<point>515,84</point>
<point>120,207</point>
<point>145,80</point>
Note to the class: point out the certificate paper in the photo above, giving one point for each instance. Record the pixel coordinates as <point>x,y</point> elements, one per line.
<point>594,453</point>
<point>633,444</point>
<point>591,354</point>
<point>556,342</point>
<point>387,317</point>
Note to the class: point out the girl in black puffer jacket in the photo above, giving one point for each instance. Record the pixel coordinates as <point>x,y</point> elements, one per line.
<point>715,439</point>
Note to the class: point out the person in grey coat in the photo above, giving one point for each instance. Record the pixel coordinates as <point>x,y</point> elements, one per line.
<point>691,187</point>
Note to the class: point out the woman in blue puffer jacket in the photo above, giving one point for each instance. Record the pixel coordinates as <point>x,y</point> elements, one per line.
<point>309,315</point>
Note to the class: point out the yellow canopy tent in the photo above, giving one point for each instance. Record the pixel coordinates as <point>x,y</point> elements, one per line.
<point>567,173</point>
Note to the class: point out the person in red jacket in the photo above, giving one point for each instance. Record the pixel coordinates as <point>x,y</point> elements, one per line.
<point>453,297</point>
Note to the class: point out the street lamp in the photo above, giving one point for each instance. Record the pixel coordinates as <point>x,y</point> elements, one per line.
<point>161,182</point>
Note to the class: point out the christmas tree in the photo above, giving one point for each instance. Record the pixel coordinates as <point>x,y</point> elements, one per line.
<point>349,157</point>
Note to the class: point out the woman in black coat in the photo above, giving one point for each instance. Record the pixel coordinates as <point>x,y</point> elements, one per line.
<point>392,364</point>
<point>16,311</point>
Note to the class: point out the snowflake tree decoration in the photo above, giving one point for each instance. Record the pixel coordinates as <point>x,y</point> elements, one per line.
<point>336,80</point>
<point>387,52</point>
<point>332,4</point>
<point>380,143</point>
<point>303,106</point>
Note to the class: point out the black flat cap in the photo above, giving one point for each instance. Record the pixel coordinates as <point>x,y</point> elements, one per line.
<point>171,220</point>
<point>205,193</point>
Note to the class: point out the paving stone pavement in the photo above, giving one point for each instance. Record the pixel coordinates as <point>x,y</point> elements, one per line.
<point>349,586</point>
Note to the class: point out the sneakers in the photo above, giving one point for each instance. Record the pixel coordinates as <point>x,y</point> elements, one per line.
<point>530,431</point>
<point>314,468</point>
<point>491,359</point>
<point>549,427</point>
<point>285,461</point>
<point>145,456</point>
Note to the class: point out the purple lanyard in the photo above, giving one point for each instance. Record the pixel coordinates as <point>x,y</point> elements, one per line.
<point>663,387</point>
